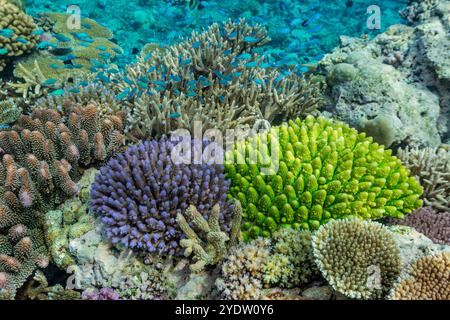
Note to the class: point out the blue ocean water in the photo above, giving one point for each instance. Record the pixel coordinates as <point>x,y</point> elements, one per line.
<point>302,31</point>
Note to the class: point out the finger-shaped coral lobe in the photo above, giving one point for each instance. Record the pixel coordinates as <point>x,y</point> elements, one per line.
<point>316,170</point>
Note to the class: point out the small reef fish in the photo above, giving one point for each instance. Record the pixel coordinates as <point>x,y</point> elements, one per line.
<point>38,32</point>
<point>244,56</point>
<point>307,22</point>
<point>21,40</point>
<point>192,4</point>
<point>49,82</point>
<point>7,33</point>
<point>46,45</point>
<point>56,93</point>
<point>3,51</point>
<point>251,39</point>
<point>196,45</point>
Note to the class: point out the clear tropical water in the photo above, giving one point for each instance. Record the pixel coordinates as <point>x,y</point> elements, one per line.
<point>301,31</point>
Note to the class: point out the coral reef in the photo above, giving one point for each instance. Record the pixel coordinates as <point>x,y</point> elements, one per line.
<point>358,258</point>
<point>427,279</point>
<point>326,170</point>
<point>395,86</point>
<point>216,244</point>
<point>9,112</point>
<point>434,225</point>
<point>39,289</point>
<point>216,77</point>
<point>291,261</point>
<point>431,166</point>
<point>102,294</point>
<point>241,274</point>
<point>139,194</point>
<point>17,35</point>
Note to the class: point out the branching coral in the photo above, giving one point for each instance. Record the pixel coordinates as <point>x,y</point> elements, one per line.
<point>41,158</point>
<point>358,258</point>
<point>427,279</point>
<point>139,194</point>
<point>102,294</point>
<point>17,36</point>
<point>215,248</point>
<point>9,112</point>
<point>435,225</point>
<point>241,274</point>
<point>304,173</point>
<point>431,166</point>
<point>216,77</point>
<point>291,262</point>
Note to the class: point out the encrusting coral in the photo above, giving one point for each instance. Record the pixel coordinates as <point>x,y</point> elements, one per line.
<point>139,193</point>
<point>39,289</point>
<point>216,244</point>
<point>216,77</point>
<point>326,170</point>
<point>427,279</point>
<point>16,32</point>
<point>358,258</point>
<point>431,166</point>
<point>435,225</point>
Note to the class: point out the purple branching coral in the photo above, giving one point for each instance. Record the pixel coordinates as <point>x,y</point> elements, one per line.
<point>139,194</point>
<point>426,220</point>
<point>102,294</point>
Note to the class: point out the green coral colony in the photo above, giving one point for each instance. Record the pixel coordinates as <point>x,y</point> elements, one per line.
<point>326,171</point>
<point>345,175</point>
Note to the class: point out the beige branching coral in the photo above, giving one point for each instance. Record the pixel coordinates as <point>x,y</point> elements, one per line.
<point>431,166</point>
<point>427,279</point>
<point>17,38</point>
<point>216,77</point>
<point>216,244</point>
<point>358,258</point>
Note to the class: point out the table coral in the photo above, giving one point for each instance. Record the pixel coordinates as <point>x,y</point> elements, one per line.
<point>358,258</point>
<point>21,39</point>
<point>304,173</point>
<point>427,279</point>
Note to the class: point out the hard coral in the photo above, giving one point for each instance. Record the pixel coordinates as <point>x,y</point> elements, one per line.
<point>427,279</point>
<point>216,244</point>
<point>358,258</point>
<point>241,274</point>
<point>19,38</point>
<point>139,194</point>
<point>431,166</point>
<point>434,225</point>
<point>306,173</point>
<point>214,77</point>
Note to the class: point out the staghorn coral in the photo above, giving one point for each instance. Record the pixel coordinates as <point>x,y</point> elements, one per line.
<point>434,225</point>
<point>83,95</point>
<point>358,258</point>
<point>241,275</point>
<point>431,166</point>
<point>291,261</point>
<point>19,39</point>
<point>139,194</point>
<point>214,77</point>
<point>428,278</point>
<point>9,112</point>
<point>305,173</point>
<point>216,244</point>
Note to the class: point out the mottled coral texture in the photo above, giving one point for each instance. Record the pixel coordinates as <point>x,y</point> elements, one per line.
<point>358,258</point>
<point>319,170</point>
<point>427,279</point>
<point>139,194</point>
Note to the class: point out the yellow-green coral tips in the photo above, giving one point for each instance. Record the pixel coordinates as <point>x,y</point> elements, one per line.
<point>314,171</point>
